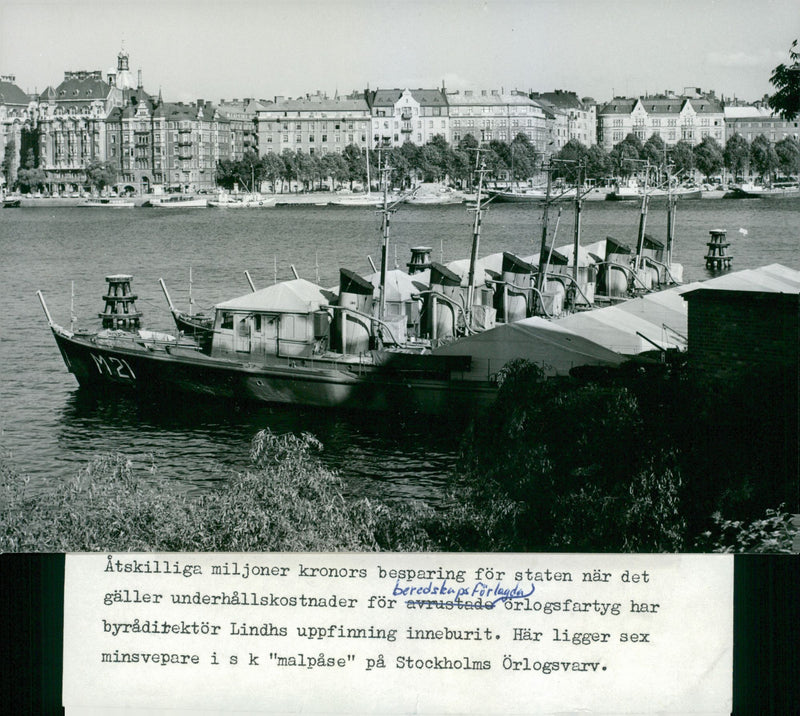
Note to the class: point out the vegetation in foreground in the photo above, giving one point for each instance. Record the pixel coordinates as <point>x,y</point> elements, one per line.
<point>287,502</point>
<point>611,461</point>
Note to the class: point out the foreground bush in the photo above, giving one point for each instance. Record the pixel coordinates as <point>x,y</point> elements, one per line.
<point>628,460</point>
<point>591,481</point>
<point>287,502</point>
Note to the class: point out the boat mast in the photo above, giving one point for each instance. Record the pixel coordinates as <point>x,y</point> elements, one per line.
<point>642,220</point>
<point>672,206</point>
<point>576,244</point>
<point>386,211</point>
<point>191,300</point>
<point>480,168</point>
<point>540,278</point>
<point>368,183</point>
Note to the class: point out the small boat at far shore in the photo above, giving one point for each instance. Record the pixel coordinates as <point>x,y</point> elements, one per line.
<point>177,201</point>
<point>776,191</point>
<point>110,202</point>
<point>517,195</point>
<point>241,201</point>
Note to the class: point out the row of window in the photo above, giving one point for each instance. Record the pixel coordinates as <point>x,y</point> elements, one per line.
<point>491,123</point>
<point>323,125</point>
<point>487,136</point>
<point>312,138</point>
<point>672,134</point>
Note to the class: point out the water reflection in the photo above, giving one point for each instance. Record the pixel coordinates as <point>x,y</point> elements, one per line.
<point>198,441</point>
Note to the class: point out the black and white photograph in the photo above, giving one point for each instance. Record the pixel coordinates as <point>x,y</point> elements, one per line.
<point>407,278</point>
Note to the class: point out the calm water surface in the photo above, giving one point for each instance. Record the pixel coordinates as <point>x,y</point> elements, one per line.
<point>48,427</point>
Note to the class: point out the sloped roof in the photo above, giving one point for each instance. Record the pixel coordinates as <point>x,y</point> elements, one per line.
<point>501,98</point>
<point>706,106</point>
<point>295,296</point>
<point>179,111</point>
<point>426,97</point>
<point>773,278</point>
<point>11,94</point>
<point>554,348</point>
<point>661,316</point>
<point>564,100</point>
<point>82,90</point>
<point>316,105</point>
<point>660,105</point>
<point>618,105</point>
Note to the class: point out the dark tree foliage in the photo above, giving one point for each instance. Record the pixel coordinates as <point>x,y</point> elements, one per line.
<point>571,160</point>
<point>788,151</point>
<point>101,174</point>
<point>654,152</point>
<point>763,156</point>
<point>245,173</point>
<point>736,154</point>
<point>681,156</point>
<point>647,457</point>
<point>9,160</point>
<point>624,156</point>
<point>786,80</point>
<point>598,165</point>
<point>708,156</point>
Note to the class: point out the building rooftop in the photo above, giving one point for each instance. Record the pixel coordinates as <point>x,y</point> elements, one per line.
<point>561,99</point>
<point>315,103</point>
<point>488,97</point>
<point>661,105</point>
<point>10,93</point>
<point>427,97</point>
<point>81,87</point>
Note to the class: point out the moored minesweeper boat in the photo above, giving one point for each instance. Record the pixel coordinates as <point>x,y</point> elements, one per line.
<point>289,343</point>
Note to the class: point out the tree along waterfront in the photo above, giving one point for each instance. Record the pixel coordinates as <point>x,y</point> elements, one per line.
<point>519,160</point>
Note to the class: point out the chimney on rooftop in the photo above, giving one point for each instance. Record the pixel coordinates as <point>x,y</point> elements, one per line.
<point>139,79</point>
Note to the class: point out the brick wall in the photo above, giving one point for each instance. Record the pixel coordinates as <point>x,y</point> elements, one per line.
<point>730,330</point>
<point>744,350</point>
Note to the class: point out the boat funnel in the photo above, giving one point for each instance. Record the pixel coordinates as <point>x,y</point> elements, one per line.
<point>613,281</point>
<point>440,309</point>
<point>512,298</point>
<point>352,323</point>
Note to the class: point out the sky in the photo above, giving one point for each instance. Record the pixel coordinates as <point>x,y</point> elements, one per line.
<point>192,49</point>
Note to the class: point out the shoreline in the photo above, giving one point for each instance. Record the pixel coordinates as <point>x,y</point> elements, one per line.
<point>322,198</point>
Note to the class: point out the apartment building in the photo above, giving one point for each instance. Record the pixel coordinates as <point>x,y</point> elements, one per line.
<point>16,112</point>
<point>243,116</point>
<point>673,118</point>
<point>494,114</point>
<point>751,120</point>
<point>574,118</point>
<point>315,124</point>
<point>406,115</point>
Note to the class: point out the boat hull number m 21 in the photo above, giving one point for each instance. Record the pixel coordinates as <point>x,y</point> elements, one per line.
<point>113,366</point>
